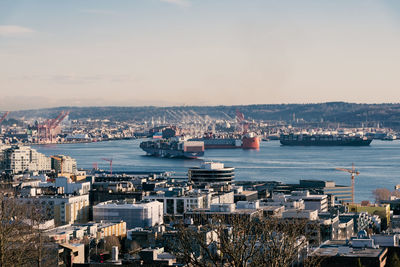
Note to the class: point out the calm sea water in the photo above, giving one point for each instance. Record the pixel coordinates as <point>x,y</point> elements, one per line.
<point>379,163</point>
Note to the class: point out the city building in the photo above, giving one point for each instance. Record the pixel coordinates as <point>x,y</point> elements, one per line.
<point>177,202</point>
<point>64,209</point>
<point>339,253</point>
<point>142,214</point>
<point>76,232</point>
<point>311,202</point>
<point>19,159</point>
<point>63,164</point>
<point>244,195</point>
<point>156,257</point>
<point>71,254</point>
<point>311,215</point>
<point>119,190</point>
<point>226,212</point>
<point>80,188</point>
<point>382,210</point>
<point>211,173</point>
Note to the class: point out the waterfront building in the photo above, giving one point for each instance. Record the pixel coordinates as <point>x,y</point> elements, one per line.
<point>18,159</point>
<point>211,173</point>
<point>141,214</point>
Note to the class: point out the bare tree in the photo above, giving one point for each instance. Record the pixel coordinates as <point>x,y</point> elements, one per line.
<point>381,194</point>
<point>243,242</point>
<point>111,241</point>
<point>21,240</point>
<point>396,193</point>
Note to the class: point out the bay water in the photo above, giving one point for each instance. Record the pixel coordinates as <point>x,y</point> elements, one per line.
<point>379,163</point>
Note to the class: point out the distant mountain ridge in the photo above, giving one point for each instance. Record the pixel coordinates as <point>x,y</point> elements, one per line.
<point>330,112</point>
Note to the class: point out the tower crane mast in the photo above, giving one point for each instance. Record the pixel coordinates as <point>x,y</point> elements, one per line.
<point>110,161</point>
<point>353,172</point>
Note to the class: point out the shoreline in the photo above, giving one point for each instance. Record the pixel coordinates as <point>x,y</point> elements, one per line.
<point>72,142</point>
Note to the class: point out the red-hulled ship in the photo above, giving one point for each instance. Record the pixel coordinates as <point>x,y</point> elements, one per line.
<point>250,141</point>
<point>246,141</point>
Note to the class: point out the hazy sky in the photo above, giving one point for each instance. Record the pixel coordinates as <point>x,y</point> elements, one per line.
<point>197,52</point>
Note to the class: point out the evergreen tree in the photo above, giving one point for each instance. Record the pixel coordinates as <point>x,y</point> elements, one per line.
<point>394,260</point>
<point>359,264</point>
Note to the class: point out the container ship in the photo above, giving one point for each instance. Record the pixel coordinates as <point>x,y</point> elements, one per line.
<point>247,141</point>
<point>173,148</point>
<point>324,140</point>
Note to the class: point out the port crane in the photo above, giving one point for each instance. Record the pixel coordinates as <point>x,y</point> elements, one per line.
<point>110,161</point>
<point>4,116</point>
<point>353,172</point>
<point>47,130</point>
<point>241,122</point>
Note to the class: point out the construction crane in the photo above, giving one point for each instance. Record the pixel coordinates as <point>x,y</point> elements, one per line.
<point>353,172</point>
<point>109,160</point>
<point>61,162</point>
<point>4,116</point>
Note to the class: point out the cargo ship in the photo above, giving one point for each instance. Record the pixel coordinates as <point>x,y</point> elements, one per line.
<point>324,140</point>
<point>250,141</point>
<point>247,141</point>
<point>173,148</point>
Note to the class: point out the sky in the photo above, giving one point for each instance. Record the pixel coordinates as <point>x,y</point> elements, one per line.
<point>197,52</point>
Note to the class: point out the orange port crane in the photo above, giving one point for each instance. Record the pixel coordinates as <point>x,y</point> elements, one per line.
<point>242,123</point>
<point>353,172</point>
<point>109,160</point>
<point>47,130</point>
<point>4,116</point>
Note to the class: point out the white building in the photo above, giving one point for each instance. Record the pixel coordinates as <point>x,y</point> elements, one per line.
<point>64,209</point>
<point>311,202</point>
<point>311,215</point>
<point>80,188</point>
<point>142,214</point>
<point>211,173</point>
<point>22,158</point>
<point>178,204</point>
<point>301,200</point>
<point>68,164</point>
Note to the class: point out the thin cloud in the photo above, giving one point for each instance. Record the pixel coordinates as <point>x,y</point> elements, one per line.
<point>183,3</point>
<point>14,31</point>
<point>98,11</point>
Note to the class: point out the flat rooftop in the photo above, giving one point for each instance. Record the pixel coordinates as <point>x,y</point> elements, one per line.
<point>333,248</point>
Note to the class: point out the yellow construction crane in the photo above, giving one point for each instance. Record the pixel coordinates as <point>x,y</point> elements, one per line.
<point>353,172</point>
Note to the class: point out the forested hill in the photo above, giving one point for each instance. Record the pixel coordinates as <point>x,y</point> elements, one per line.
<point>336,112</point>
